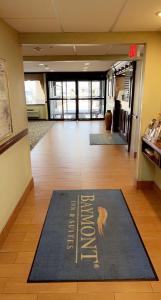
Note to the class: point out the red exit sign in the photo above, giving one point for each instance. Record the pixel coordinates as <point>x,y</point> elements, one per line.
<point>133,51</point>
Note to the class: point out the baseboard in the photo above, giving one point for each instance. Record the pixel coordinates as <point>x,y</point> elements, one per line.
<point>14,214</point>
<point>157,188</point>
<point>148,185</point>
<point>135,154</point>
<point>37,120</point>
<point>145,184</point>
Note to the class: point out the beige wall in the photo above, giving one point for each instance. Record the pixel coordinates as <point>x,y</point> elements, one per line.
<point>151,93</point>
<point>41,108</point>
<point>15,169</point>
<point>15,175</point>
<point>151,103</point>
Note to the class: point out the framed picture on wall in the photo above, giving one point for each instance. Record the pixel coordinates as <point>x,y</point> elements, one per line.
<point>5,111</point>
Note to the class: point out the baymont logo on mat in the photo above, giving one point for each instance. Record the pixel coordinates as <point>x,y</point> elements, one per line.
<point>102,218</point>
<point>83,224</point>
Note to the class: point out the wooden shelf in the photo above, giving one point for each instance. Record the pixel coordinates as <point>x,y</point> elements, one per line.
<point>152,145</point>
<point>155,151</point>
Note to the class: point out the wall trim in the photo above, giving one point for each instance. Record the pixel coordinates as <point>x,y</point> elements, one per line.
<point>13,140</point>
<point>15,212</point>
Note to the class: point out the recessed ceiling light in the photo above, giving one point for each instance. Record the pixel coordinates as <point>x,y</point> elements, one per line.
<point>51,70</point>
<point>158,13</point>
<point>41,65</point>
<point>87,64</point>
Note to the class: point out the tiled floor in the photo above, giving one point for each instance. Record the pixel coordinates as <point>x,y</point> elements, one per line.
<point>63,159</point>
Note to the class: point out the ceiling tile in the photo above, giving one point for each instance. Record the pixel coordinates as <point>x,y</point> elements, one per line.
<point>47,50</point>
<point>108,49</point>
<point>26,9</point>
<point>81,16</point>
<point>68,66</point>
<point>91,49</point>
<point>139,16</point>
<point>34,25</point>
<point>101,49</point>
<point>88,16</point>
<point>118,49</point>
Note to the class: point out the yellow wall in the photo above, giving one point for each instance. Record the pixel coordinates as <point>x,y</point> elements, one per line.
<point>15,174</point>
<point>15,168</point>
<point>151,103</point>
<point>41,108</point>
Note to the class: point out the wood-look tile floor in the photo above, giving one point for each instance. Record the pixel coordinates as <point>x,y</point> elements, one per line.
<point>63,159</point>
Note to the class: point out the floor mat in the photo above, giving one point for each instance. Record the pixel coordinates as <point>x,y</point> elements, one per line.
<point>90,235</point>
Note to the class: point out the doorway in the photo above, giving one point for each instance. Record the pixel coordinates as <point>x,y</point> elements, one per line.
<point>125,81</point>
<point>120,98</point>
<point>76,99</point>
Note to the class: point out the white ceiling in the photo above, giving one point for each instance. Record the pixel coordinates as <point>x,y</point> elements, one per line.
<point>42,49</point>
<point>67,66</point>
<point>73,50</point>
<point>81,16</point>
<point>78,16</point>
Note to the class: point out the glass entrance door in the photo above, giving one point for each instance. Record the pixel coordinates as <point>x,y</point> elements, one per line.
<point>76,100</point>
<point>69,100</point>
<point>62,100</point>
<point>91,98</point>
<point>84,100</point>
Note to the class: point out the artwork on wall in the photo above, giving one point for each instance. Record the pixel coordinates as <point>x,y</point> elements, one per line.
<point>5,112</point>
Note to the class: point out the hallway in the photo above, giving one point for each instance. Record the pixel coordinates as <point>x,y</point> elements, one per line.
<point>64,159</point>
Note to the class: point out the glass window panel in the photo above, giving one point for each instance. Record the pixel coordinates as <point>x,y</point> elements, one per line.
<point>56,109</point>
<point>84,109</point>
<point>55,89</point>
<point>98,108</point>
<point>84,89</point>
<point>69,89</point>
<point>34,92</point>
<point>96,91</point>
<point>69,109</point>
<point>102,94</point>
<point>90,99</point>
